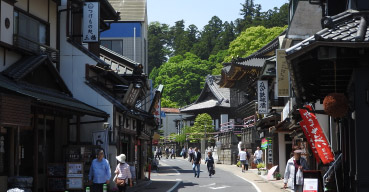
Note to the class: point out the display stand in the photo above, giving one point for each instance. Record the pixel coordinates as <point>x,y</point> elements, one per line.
<point>78,158</point>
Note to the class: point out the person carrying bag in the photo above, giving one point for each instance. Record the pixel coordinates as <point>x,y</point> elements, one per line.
<point>122,173</point>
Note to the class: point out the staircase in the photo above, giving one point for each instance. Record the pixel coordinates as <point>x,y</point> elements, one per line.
<point>331,178</point>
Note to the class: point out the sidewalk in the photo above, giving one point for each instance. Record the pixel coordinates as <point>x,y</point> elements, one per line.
<point>139,185</point>
<point>251,176</point>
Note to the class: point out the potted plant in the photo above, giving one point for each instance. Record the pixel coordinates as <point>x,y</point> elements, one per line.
<point>238,164</point>
<point>278,176</point>
<point>260,168</point>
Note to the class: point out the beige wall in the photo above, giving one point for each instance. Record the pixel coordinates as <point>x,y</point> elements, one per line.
<point>22,4</point>
<point>38,8</point>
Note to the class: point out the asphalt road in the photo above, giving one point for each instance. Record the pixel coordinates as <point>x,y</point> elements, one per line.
<point>177,175</point>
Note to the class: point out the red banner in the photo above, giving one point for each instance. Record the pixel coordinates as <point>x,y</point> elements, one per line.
<point>308,137</point>
<point>315,135</point>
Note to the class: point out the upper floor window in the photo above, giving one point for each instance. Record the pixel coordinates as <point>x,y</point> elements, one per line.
<point>30,28</point>
<point>114,45</point>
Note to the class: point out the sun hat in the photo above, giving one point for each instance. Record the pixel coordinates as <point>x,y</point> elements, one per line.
<point>121,158</point>
<point>298,151</point>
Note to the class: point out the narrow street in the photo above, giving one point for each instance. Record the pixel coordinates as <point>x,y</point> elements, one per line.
<point>177,175</point>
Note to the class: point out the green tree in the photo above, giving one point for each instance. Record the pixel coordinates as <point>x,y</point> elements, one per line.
<point>203,124</point>
<point>182,137</point>
<point>218,61</point>
<point>183,77</point>
<point>252,40</point>
<point>157,41</point>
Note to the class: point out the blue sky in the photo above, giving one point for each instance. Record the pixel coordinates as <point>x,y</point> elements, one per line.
<point>199,12</point>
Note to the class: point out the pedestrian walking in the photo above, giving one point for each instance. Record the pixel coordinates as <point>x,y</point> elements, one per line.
<point>247,159</point>
<point>190,154</point>
<point>123,173</point>
<point>167,152</point>
<point>157,153</point>
<point>209,161</point>
<point>172,153</point>
<point>196,161</point>
<point>184,152</point>
<point>258,155</point>
<point>242,155</point>
<point>293,177</point>
<point>99,172</point>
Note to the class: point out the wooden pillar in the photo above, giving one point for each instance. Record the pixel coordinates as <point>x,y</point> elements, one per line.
<point>78,129</point>
<point>35,151</point>
<point>11,151</point>
<point>44,150</point>
<point>17,151</point>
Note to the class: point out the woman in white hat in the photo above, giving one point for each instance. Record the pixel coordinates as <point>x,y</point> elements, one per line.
<point>123,173</point>
<point>293,177</point>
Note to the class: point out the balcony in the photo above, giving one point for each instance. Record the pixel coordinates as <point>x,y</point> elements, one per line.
<point>35,47</point>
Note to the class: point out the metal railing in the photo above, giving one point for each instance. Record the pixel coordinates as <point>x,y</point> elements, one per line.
<point>35,47</point>
<point>332,168</point>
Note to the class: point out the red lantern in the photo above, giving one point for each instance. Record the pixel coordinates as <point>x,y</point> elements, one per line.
<point>336,105</point>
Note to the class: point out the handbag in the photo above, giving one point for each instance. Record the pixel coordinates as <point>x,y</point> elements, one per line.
<point>213,171</point>
<point>120,182</point>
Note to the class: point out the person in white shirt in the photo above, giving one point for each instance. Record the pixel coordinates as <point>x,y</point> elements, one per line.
<point>258,155</point>
<point>242,155</point>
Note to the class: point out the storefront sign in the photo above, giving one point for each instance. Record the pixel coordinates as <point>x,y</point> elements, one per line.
<point>315,135</point>
<point>282,74</point>
<point>310,185</point>
<point>286,111</point>
<point>264,143</point>
<point>91,22</point>
<point>263,97</point>
<point>131,95</point>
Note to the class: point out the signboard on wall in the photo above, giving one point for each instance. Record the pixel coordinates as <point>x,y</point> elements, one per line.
<point>131,95</point>
<point>283,78</point>
<point>91,22</point>
<point>263,97</point>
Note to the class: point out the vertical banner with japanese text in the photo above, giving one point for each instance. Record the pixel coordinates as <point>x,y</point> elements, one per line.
<point>91,22</point>
<point>263,97</point>
<point>283,76</point>
<point>315,135</point>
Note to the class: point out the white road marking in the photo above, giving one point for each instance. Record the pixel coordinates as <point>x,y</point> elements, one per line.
<point>222,187</point>
<point>208,185</point>
<point>175,186</point>
<point>253,184</point>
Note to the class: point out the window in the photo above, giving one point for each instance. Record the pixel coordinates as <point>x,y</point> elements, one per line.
<point>114,45</point>
<point>30,28</point>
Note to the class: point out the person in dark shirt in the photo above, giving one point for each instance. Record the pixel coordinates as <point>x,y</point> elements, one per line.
<point>196,161</point>
<point>210,163</point>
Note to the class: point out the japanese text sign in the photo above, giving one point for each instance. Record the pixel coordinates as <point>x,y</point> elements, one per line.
<point>263,97</point>
<point>315,135</point>
<point>91,22</point>
<point>283,77</point>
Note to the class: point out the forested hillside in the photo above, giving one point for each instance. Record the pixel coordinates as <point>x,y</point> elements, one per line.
<point>180,57</point>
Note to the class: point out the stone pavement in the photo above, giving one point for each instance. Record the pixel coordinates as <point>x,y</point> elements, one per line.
<point>260,182</point>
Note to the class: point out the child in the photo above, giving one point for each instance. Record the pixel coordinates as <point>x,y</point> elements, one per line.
<point>210,163</point>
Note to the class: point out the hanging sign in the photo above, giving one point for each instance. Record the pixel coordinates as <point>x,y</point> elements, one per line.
<point>308,137</point>
<point>263,97</point>
<point>315,135</point>
<point>91,22</point>
<point>264,143</point>
<point>283,77</point>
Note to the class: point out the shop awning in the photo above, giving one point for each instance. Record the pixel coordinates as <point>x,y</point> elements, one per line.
<point>50,97</point>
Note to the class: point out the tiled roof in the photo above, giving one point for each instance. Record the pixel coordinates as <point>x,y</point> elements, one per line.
<point>25,65</point>
<point>347,27</point>
<point>221,95</point>
<point>170,110</point>
<point>50,97</point>
<point>130,10</point>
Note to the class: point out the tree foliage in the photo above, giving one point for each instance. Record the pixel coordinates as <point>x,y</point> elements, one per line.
<point>195,53</point>
<point>252,40</point>
<point>183,77</point>
<point>203,124</point>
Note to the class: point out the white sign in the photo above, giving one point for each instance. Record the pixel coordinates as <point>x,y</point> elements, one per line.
<point>310,185</point>
<point>263,97</point>
<point>286,111</point>
<point>91,22</point>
